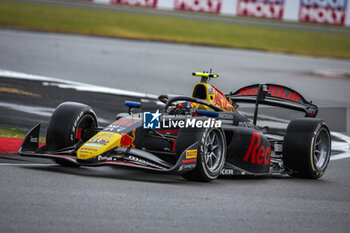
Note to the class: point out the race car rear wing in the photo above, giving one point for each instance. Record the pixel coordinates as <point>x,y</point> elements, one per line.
<point>273,95</point>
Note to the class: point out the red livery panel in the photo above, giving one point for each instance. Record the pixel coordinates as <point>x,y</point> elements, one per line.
<point>256,152</point>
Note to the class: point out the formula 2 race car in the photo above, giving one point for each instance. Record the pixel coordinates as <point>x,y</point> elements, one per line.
<point>198,137</point>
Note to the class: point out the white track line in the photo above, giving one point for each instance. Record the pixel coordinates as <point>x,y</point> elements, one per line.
<point>47,81</point>
<point>342,146</point>
<point>340,156</point>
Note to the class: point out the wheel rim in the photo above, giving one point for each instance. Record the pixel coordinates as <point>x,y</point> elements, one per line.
<point>86,123</point>
<point>321,149</point>
<point>213,150</point>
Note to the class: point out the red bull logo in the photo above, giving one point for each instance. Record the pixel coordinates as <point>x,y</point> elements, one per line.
<point>275,91</point>
<point>258,153</point>
<point>221,101</point>
<point>127,140</point>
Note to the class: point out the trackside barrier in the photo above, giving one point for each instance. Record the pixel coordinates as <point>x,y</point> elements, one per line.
<point>335,12</point>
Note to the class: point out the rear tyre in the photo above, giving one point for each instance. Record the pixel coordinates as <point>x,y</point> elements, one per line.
<point>307,147</point>
<point>69,123</point>
<point>210,157</point>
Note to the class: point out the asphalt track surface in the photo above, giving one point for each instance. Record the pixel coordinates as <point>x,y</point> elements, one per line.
<point>38,196</point>
<point>163,68</point>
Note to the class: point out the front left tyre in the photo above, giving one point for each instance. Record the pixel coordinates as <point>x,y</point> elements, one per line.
<point>70,123</point>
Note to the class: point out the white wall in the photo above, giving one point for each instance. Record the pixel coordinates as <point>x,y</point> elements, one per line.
<point>101,1</point>
<point>347,18</point>
<point>166,4</point>
<point>291,10</point>
<point>228,7</point>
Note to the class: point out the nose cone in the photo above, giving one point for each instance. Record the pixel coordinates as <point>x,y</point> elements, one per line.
<point>98,144</point>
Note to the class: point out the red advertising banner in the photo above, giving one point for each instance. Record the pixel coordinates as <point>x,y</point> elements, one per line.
<point>323,11</point>
<point>144,3</point>
<point>271,9</point>
<point>207,6</point>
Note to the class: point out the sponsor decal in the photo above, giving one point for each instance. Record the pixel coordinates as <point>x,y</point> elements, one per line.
<point>34,139</point>
<point>114,128</point>
<point>184,167</point>
<point>144,3</point>
<point>86,151</point>
<point>225,116</point>
<point>323,11</point>
<point>248,91</point>
<point>274,91</point>
<point>271,9</point>
<point>106,135</point>
<point>84,154</point>
<point>144,162</point>
<point>151,120</point>
<point>75,125</point>
<point>132,159</point>
<point>127,140</point>
<point>99,141</point>
<point>191,154</point>
<point>245,124</point>
<point>124,123</point>
<point>256,153</point>
<point>106,158</point>
<point>202,146</point>
<point>86,148</point>
<point>208,6</point>
<point>227,172</point>
<point>92,145</point>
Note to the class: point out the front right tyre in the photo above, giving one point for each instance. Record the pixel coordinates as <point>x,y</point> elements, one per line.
<point>211,154</point>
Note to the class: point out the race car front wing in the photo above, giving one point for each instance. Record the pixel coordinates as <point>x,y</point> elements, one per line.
<point>119,156</point>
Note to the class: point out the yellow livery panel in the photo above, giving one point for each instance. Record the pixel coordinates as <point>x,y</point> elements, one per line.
<point>98,144</point>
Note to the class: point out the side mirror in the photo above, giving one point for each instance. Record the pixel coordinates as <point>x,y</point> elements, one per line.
<point>163,98</point>
<point>132,105</point>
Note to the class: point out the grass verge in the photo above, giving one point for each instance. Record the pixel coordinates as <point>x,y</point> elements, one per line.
<point>15,133</point>
<point>160,28</point>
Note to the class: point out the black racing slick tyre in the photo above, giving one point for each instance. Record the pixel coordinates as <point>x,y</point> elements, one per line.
<point>211,153</point>
<point>69,123</point>
<point>307,147</point>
